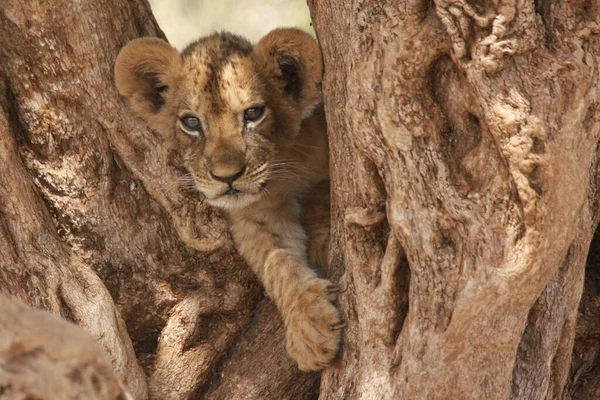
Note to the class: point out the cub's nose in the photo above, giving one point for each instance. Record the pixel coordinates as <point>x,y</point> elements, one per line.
<point>226,175</point>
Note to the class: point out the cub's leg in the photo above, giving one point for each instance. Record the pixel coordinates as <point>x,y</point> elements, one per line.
<point>274,244</point>
<point>315,220</point>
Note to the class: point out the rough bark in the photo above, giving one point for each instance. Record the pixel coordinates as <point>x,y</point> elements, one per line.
<point>475,130</point>
<point>37,348</point>
<point>584,382</point>
<point>96,228</point>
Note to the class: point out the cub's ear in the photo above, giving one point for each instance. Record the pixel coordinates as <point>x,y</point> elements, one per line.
<point>291,60</point>
<point>146,71</point>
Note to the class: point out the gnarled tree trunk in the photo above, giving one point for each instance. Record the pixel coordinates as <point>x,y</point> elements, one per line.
<point>463,142</point>
<point>476,128</point>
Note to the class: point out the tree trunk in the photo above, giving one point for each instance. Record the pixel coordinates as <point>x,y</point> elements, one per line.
<point>475,128</point>
<point>95,228</point>
<point>463,146</point>
<point>37,348</point>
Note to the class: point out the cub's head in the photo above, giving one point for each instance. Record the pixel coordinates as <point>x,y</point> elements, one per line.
<point>228,105</point>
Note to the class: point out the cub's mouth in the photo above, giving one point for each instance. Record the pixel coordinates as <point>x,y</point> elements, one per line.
<point>234,199</point>
<point>235,196</point>
<point>235,192</point>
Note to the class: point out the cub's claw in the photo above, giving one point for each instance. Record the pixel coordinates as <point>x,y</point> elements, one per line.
<point>331,288</point>
<point>337,327</point>
<point>332,291</point>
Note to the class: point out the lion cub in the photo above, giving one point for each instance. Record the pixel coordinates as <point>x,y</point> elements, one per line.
<point>250,124</point>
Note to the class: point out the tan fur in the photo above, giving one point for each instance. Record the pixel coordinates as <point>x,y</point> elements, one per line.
<point>270,174</point>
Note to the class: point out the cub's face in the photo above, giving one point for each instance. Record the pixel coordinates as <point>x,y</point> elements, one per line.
<point>229,106</point>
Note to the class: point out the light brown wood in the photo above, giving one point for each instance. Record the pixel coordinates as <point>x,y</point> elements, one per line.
<point>463,136</point>
<point>44,357</point>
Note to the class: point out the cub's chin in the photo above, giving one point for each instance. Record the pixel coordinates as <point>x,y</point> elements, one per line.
<point>234,201</point>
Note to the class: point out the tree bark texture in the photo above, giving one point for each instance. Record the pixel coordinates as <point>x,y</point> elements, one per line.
<point>46,358</point>
<point>95,227</point>
<point>463,228</point>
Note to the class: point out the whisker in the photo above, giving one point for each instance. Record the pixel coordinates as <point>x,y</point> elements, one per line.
<point>285,170</point>
<point>264,192</point>
<point>301,151</point>
<point>305,145</point>
<point>285,178</point>
<point>288,163</point>
<point>178,182</point>
<point>292,169</point>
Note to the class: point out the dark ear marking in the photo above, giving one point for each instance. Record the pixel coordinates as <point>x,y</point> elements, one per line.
<point>160,92</point>
<point>289,69</point>
<point>157,91</point>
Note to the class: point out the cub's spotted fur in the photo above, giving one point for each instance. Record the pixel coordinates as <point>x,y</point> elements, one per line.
<point>250,124</point>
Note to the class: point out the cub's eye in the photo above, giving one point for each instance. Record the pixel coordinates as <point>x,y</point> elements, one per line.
<point>191,123</point>
<point>253,114</point>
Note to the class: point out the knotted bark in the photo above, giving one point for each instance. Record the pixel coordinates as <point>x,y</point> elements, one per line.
<point>475,130</point>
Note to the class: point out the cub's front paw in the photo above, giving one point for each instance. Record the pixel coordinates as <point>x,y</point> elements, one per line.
<point>314,326</point>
